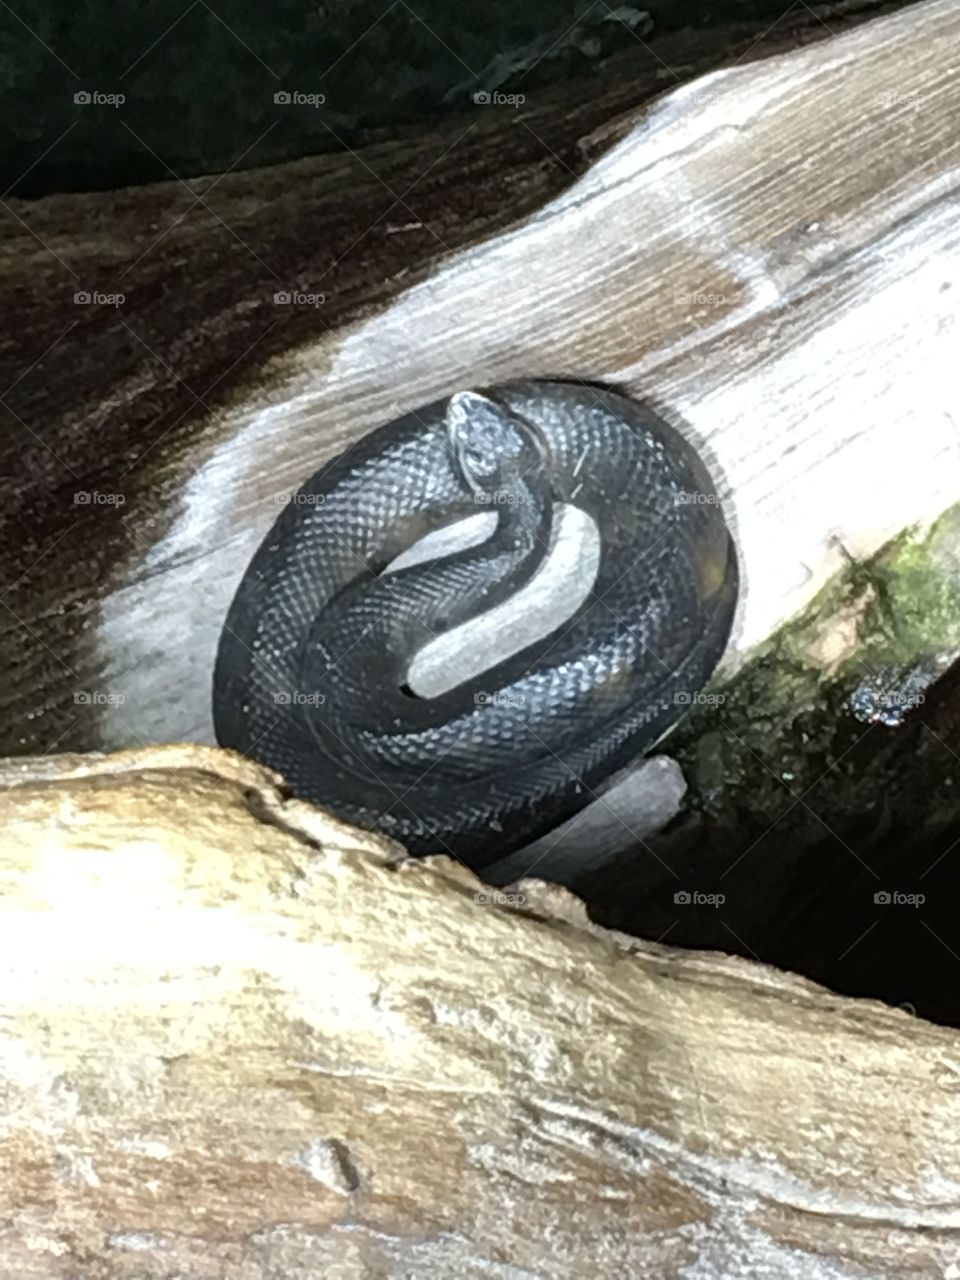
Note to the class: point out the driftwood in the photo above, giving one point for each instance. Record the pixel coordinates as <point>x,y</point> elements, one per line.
<point>765,253</point>
<point>241,1040</point>
<point>778,288</point>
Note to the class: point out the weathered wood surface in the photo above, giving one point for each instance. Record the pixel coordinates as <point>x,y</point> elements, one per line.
<point>769,253</point>
<point>238,1040</point>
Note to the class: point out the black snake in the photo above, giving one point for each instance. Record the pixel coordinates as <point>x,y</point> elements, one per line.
<point>311,673</point>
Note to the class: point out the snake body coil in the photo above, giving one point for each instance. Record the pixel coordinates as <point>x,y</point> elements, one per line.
<point>311,674</point>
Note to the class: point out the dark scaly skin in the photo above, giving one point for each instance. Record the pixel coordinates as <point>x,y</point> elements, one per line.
<point>312,663</point>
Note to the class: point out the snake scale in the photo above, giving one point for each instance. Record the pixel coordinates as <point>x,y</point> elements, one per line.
<point>311,672</point>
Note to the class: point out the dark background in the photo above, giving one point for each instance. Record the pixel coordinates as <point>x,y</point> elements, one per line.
<point>199,78</point>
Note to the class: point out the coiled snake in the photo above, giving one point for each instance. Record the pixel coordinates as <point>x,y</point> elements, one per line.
<point>311,673</point>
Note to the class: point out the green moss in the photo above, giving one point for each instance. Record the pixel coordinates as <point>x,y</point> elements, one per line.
<point>922,592</point>
<point>791,714</point>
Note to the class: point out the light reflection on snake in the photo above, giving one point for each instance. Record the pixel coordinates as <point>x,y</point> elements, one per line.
<point>311,674</point>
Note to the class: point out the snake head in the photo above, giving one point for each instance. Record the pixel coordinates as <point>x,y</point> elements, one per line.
<point>492,448</point>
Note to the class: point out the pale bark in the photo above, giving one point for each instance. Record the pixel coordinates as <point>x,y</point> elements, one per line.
<point>241,1040</point>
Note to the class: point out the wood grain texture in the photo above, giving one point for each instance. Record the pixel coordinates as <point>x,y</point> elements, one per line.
<point>805,200</point>
<point>241,1040</point>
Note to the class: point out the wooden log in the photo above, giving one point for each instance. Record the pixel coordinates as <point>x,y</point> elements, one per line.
<point>767,253</point>
<point>239,1039</point>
